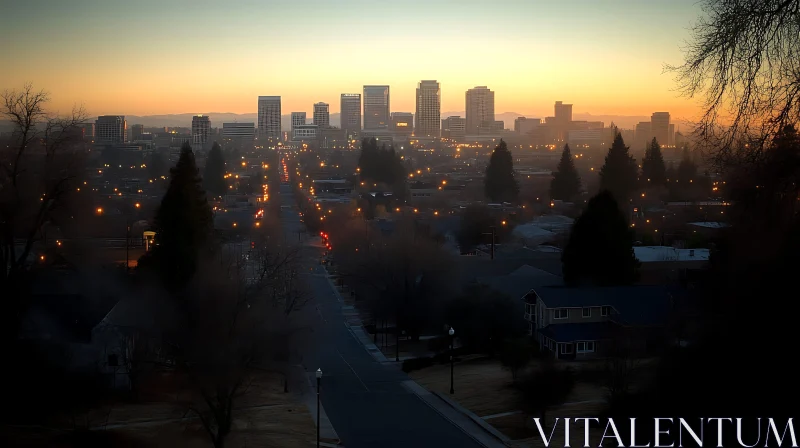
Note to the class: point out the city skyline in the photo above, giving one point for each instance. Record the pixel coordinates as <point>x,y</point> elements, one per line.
<point>538,53</point>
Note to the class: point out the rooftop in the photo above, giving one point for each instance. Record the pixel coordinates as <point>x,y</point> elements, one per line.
<point>650,254</point>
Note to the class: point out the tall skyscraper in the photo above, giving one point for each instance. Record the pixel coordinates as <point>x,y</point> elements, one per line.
<point>643,134</point>
<point>269,116</point>
<point>110,129</point>
<point>376,107</point>
<point>201,125</point>
<point>659,127</point>
<point>561,120</point>
<point>322,115</point>
<point>480,108</point>
<point>351,112</point>
<point>298,119</point>
<point>428,116</point>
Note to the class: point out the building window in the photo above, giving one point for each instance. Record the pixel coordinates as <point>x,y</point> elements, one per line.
<point>560,313</point>
<point>565,349</point>
<point>585,347</point>
<point>113,361</point>
<point>605,311</point>
<point>587,312</point>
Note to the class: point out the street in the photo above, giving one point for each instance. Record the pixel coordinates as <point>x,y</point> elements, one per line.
<point>364,400</point>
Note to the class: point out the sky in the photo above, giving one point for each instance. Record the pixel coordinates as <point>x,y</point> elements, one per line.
<point>150,57</point>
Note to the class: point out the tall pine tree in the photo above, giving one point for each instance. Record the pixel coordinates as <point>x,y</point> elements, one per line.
<point>499,183</point>
<point>619,174</point>
<point>654,172</point>
<point>214,172</point>
<point>183,225</point>
<point>566,184</point>
<point>600,247</point>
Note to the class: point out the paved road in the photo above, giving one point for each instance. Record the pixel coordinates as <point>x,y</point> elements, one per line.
<point>364,400</point>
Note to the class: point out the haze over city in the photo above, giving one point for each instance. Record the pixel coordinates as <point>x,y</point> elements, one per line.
<point>152,58</point>
<point>394,224</point>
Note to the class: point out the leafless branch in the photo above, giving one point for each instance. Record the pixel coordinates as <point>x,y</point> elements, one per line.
<point>743,62</point>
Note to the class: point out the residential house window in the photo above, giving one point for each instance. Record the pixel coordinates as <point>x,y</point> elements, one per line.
<point>605,311</point>
<point>565,349</point>
<point>585,347</point>
<point>560,313</point>
<point>587,312</point>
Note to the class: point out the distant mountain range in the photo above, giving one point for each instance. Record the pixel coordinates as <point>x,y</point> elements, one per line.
<point>217,118</point>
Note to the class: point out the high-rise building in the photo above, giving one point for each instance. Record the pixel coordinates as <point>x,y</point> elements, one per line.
<point>322,115</point>
<point>671,136</point>
<point>376,107</point>
<point>351,112</point>
<point>642,135</point>
<point>402,124</point>
<point>298,119</point>
<point>454,127</point>
<point>110,129</point>
<point>561,120</point>
<point>659,127</point>
<point>201,125</point>
<point>136,132</point>
<point>269,116</point>
<point>479,107</point>
<point>428,109</point>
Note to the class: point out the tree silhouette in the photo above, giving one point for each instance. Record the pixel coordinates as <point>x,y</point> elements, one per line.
<point>214,172</point>
<point>379,164</point>
<point>619,173</point>
<point>600,246</point>
<point>654,173</point>
<point>183,225</point>
<point>566,183</point>
<point>499,183</point>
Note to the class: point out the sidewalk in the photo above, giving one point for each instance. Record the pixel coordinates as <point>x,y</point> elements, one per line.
<point>490,438</point>
<point>304,383</point>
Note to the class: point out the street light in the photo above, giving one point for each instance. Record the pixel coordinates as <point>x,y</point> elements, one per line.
<point>319,377</point>
<point>451,332</point>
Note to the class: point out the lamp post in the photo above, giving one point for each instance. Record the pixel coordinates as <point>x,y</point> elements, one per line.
<point>319,377</point>
<point>451,332</point>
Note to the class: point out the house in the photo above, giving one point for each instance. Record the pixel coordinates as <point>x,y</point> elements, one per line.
<point>583,322</point>
<point>520,284</point>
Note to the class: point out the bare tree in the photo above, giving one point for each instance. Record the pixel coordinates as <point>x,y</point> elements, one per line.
<point>743,60</point>
<point>237,318</point>
<point>36,170</point>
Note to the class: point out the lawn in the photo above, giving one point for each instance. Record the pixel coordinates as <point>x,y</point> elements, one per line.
<point>264,416</point>
<point>484,387</point>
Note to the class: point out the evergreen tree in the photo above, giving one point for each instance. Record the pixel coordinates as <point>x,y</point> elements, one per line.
<point>566,183</point>
<point>619,174</point>
<point>214,172</point>
<point>380,165</point>
<point>600,246</point>
<point>499,183</point>
<point>183,225</point>
<point>654,173</point>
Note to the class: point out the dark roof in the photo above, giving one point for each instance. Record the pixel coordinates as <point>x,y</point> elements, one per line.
<point>446,224</point>
<point>521,281</point>
<point>473,267</point>
<point>64,317</point>
<point>594,331</point>
<point>635,305</point>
